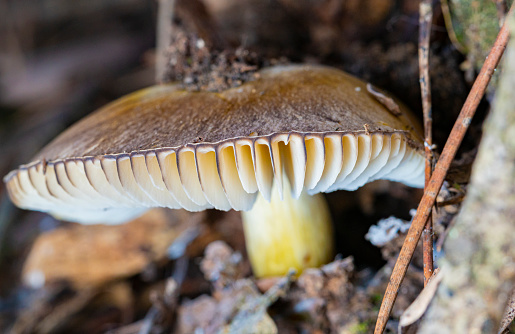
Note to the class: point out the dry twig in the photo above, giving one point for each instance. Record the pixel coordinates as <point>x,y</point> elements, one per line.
<point>425,20</point>
<point>434,185</point>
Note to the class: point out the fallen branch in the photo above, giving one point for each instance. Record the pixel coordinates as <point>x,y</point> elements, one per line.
<point>434,185</point>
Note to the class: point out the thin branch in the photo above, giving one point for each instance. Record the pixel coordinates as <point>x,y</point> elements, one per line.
<point>164,35</point>
<point>426,17</point>
<point>441,168</point>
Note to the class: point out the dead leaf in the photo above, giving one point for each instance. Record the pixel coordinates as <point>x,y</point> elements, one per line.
<point>211,314</point>
<point>93,255</point>
<point>320,294</point>
<point>221,265</point>
<point>236,306</point>
<point>253,316</point>
<point>408,323</point>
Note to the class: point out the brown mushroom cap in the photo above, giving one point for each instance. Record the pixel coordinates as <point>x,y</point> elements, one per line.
<point>163,146</point>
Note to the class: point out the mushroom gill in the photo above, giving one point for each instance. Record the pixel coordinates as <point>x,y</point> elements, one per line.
<point>264,147</point>
<point>224,176</point>
<point>163,147</point>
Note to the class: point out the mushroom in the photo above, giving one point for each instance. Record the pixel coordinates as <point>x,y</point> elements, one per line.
<point>295,131</point>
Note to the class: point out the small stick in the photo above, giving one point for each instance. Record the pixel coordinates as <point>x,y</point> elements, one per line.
<point>164,35</point>
<point>441,168</point>
<point>425,20</point>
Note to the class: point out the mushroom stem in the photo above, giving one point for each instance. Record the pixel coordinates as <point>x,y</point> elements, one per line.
<point>288,233</point>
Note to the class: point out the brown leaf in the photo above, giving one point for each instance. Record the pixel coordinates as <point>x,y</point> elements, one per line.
<point>409,320</point>
<point>221,265</point>
<point>93,255</point>
<point>236,306</point>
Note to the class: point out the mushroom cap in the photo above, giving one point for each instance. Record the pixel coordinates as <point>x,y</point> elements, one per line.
<point>163,146</point>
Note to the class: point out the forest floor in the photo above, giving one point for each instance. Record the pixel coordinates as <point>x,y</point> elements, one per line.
<point>175,271</point>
